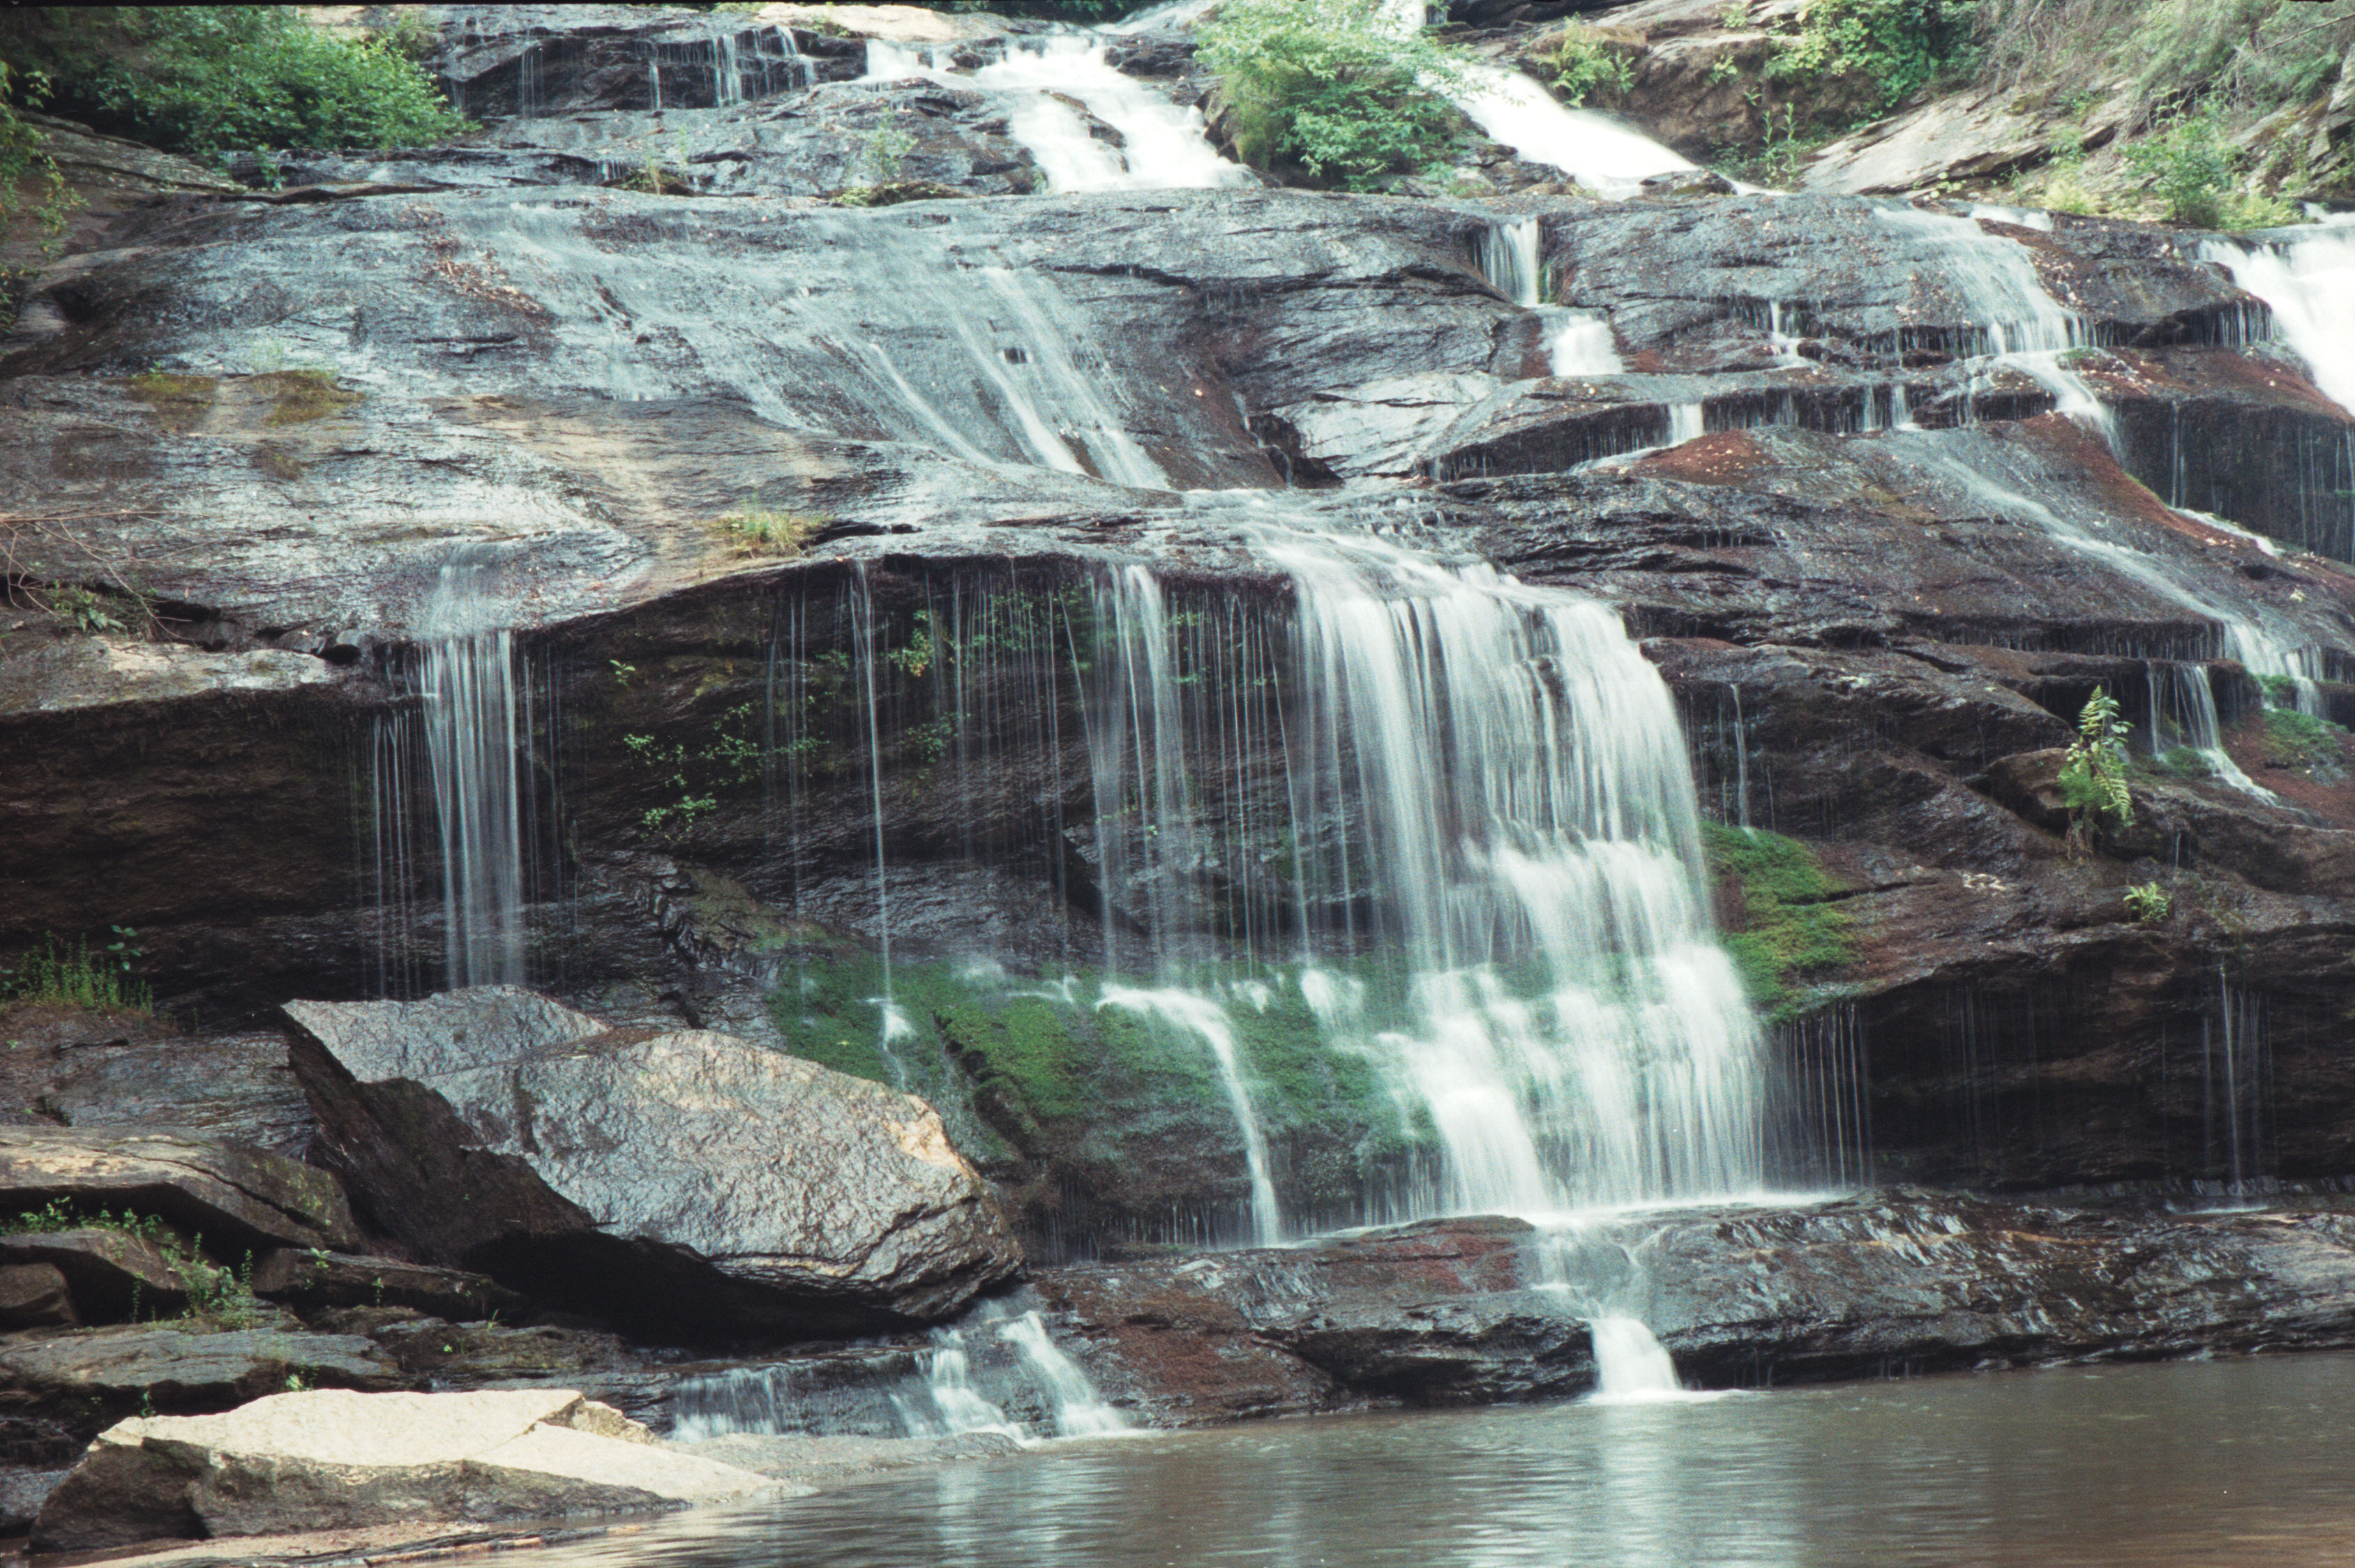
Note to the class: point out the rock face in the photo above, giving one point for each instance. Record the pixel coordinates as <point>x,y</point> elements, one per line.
<point>1883,565</point>
<point>335,1460</point>
<point>1744,1298</point>
<point>235,1196</point>
<point>687,1182</point>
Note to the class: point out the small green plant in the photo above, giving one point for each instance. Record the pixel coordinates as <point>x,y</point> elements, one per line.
<point>2281,690</point>
<point>622,673</point>
<point>756,531</point>
<point>1586,65</point>
<point>2148,903</point>
<point>678,815</point>
<point>203,78</point>
<point>915,656</point>
<point>1336,87</point>
<point>297,1383</point>
<point>2187,763</point>
<point>2093,777</point>
<point>75,975</point>
<point>83,609</point>
<point>887,149</point>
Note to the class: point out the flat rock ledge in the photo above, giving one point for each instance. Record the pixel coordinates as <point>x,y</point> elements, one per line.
<point>335,1460</point>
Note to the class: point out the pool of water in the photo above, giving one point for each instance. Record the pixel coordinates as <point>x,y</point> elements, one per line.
<point>2244,1462</point>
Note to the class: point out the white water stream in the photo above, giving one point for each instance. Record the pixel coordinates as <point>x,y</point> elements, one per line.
<point>467,677</point>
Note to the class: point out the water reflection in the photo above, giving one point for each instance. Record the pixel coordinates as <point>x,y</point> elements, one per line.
<point>2227,1463</point>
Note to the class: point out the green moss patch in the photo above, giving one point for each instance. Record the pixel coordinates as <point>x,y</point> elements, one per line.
<point>298,397</point>
<point>1789,942</point>
<point>2294,740</point>
<point>180,402</point>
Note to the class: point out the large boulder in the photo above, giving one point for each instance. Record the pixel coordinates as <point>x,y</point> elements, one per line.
<point>235,1196</point>
<point>686,1183</point>
<point>337,1460</point>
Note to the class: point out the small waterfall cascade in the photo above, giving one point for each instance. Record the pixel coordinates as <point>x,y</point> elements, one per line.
<point>466,675</point>
<point>2236,1071</point>
<point>1488,782</point>
<point>1206,1019</point>
<point>1592,148</point>
<point>1823,1096</point>
<point>2020,323</point>
<point>1631,1365</point>
<point>2189,690</point>
<point>1164,146</point>
<point>1582,345</point>
<point>1507,254</point>
<point>997,1371</point>
<point>2306,279</point>
<point>2183,704</point>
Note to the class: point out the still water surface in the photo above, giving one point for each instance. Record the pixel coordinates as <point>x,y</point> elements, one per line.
<point>2245,1463</point>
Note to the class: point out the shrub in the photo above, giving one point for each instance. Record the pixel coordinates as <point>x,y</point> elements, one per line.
<point>207,79</point>
<point>2093,776</point>
<point>2148,903</point>
<point>1585,65</point>
<point>2190,166</point>
<point>1335,86</point>
<point>1902,44</point>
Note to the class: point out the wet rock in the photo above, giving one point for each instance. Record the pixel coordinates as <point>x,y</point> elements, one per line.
<point>498,61</point>
<point>34,1295</point>
<point>137,1073</point>
<point>686,1183</point>
<point>236,1197</point>
<point>1966,137</point>
<point>310,1280</point>
<point>1892,1282</point>
<point>338,1460</point>
<point>73,1382</point>
<point>1432,1314</point>
<point>22,1493</point>
<point>114,1275</point>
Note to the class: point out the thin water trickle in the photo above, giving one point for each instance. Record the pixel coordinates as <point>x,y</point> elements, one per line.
<point>466,674</point>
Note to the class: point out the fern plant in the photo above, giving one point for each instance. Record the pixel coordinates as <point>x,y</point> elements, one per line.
<point>2093,776</point>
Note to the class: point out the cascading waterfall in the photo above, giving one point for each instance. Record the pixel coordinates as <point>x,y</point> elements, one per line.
<point>996,1370</point>
<point>466,674</point>
<point>2308,282</point>
<point>1507,254</point>
<point>1163,145</point>
<point>1498,798</point>
<point>2235,1073</point>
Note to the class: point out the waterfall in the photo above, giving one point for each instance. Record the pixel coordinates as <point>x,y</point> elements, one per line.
<point>466,674</point>
<point>1631,1365</point>
<point>2308,282</point>
<point>1583,346</point>
<point>2235,1073</point>
<point>1162,146</point>
<point>1592,148</point>
<point>993,1371</point>
<point>1507,254</point>
<point>1488,783</point>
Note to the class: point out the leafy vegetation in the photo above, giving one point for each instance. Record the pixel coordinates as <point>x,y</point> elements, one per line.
<point>216,1293</point>
<point>2197,174</point>
<point>77,975</point>
<point>2294,740</point>
<point>2094,774</point>
<point>2148,903</point>
<point>1901,46</point>
<point>759,532</point>
<point>209,79</point>
<point>1333,86</point>
<point>1791,938</point>
<point>1586,65</point>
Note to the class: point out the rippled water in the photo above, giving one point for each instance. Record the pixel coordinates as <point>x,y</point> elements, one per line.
<point>2242,1463</point>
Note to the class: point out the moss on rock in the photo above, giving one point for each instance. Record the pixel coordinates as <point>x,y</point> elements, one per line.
<point>1788,941</point>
